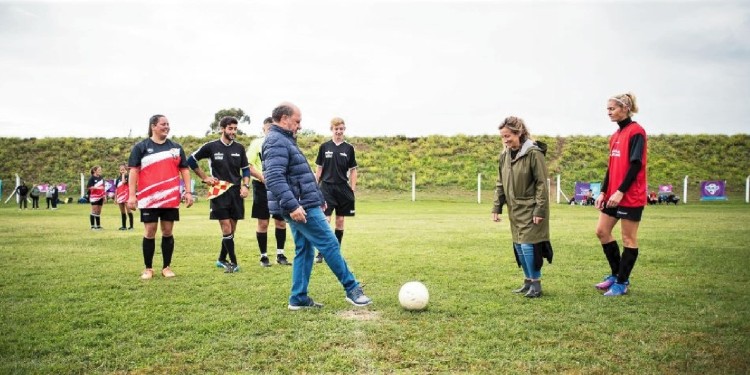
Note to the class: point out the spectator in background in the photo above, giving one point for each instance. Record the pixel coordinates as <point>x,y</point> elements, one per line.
<point>96,194</point>
<point>522,185</point>
<point>34,194</point>
<point>155,167</point>
<point>23,192</point>
<point>623,193</point>
<point>51,189</point>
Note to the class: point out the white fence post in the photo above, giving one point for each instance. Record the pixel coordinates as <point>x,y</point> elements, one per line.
<point>684,190</point>
<point>413,186</point>
<point>747,189</point>
<point>83,186</point>
<point>558,189</point>
<point>479,188</point>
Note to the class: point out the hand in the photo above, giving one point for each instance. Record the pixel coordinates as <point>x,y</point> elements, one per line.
<point>537,219</point>
<point>243,191</point>
<point>599,202</point>
<point>210,181</point>
<point>189,200</point>
<point>496,217</point>
<point>132,202</point>
<point>299,215</point>
<point>614,199</point>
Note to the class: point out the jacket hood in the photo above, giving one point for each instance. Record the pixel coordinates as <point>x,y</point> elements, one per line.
<point>530,145</point>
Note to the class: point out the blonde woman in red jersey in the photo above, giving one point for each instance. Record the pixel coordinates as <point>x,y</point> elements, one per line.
<point>623,193</point>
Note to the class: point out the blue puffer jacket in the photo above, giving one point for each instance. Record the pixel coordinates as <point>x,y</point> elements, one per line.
<point>289,179</point>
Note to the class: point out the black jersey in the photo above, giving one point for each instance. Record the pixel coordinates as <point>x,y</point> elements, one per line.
<point>336,161</point>
<point>225,161</point>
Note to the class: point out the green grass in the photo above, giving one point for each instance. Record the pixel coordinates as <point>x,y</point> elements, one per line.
<point>72,301</point>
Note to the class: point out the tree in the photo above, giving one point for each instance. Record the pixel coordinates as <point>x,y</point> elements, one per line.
<point>237,113</point>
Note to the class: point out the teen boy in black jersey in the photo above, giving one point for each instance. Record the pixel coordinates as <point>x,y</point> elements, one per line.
<point>336,173</point>
<point>228,164</point>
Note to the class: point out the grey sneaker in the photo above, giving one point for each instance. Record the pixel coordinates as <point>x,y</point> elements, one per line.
<point>232,268</point>
<point>310,304</point>
<point>319,258</point>
<point>524,288</point>
<point>264,262</point>
<point>357,297</point>
<point>535,290</point>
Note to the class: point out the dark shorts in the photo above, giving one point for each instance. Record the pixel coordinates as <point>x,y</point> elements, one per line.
<point>100,202</point>
<point>153,215</point>
<point>228,205</point>
<point>260,203</point>
<point>627,213</point>
<point>339,197</point>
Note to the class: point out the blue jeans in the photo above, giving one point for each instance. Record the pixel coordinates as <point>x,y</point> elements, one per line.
<point>315,233</point>
<point>525,252</point>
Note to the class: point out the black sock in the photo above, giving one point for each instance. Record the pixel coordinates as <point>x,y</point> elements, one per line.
<point>223,253</point>
<point>123,216</point>
<point>629,255</point>
<point>339,235</point>
<point>149,247</point>
<point>227,242</point>
<point>167,248</point>
<point>262,242</point>
<point>91,219</point>
<point>130,216</point>
<point>280,238</point>
<point>98,221</point>
<point>612,251</point>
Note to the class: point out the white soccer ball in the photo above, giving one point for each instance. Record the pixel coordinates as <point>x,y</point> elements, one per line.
<point>413,296</point>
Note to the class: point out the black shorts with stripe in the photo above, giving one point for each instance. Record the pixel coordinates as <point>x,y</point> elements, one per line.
<point>228,205</point>
<point>339,198</point>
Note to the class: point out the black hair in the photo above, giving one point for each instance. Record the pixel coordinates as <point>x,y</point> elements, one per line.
<point>228,120</point>
<point>153,121</point>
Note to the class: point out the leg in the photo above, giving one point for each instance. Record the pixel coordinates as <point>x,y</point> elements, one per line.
<point>280,231</point>
<point>535,289</point>
<point>261,235</point>
<point>630,249</point>
<point>339,228</point>
<point>302,267</point>
<point>167,247</point>
<point>526,281</point>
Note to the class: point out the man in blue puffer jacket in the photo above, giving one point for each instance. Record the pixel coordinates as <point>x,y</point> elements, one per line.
<point>294,194</point>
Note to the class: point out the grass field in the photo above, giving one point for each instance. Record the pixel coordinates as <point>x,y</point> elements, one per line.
<point>71,300</point>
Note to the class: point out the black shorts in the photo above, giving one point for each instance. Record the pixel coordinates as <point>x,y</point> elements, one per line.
<point>260,203</point>
<point>339,197</point>
<point>228,205</point>
<point>100,202</point>
<point>153,215</point>
<point>627,213</point>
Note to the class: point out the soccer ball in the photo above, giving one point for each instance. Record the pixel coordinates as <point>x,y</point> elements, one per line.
<point>413,296</point>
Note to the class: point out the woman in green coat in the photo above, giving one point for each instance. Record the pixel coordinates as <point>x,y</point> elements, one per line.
<point>522,185</point>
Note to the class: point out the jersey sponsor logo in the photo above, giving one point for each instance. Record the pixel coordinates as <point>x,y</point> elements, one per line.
<point>343,154</point>
<point>615,153</point>
<point>150,150</point>
<point>236,155</point>
<point>219,156</point>
<point>175,153</point>
<point>329,154</point>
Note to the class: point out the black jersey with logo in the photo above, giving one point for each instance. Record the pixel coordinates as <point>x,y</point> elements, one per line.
<point>336,161</point>
<point>225,161</point>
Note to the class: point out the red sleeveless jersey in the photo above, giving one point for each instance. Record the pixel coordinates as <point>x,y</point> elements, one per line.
<point>619,163</point>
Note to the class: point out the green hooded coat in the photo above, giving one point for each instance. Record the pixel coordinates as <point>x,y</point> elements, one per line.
<point>522,185</point>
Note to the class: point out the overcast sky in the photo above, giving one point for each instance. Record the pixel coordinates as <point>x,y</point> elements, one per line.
<point>406,67</point>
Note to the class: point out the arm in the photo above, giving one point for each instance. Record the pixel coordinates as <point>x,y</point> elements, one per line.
<point>133,181</point>
<point>206,179</point>
<point>318,173</point>
<point>541,196</point>
<point>497,207</point>
<point>185,173</point>
<point>353,179</point>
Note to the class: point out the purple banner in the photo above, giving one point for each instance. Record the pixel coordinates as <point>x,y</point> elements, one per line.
<point>713,190</point>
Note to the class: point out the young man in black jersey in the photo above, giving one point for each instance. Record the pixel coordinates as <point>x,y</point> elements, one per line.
<point>336,173</point>
<point>229,185</point>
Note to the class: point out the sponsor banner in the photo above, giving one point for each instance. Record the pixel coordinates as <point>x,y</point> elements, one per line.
<point>713,190</point>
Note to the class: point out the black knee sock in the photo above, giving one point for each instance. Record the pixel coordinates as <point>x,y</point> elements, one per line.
<point>612,251</point>
<point>130,216</point>
<point>123,216</point>
<point>149,247</point>
<point>98,221</point>
<point>227,242</point>
<point>339,235</point>
<point>280,238</point>
<point>167,248</point>
<point>223,253</point>
<point>262,242</point>
<point>629,255</point>
<point>91,219</point>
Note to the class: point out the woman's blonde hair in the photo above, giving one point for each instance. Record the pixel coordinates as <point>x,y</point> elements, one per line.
<point>517,127</point>
<point>627,101</point>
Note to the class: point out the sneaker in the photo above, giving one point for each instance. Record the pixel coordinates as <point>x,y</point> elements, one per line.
<point>606,283</point>
<point>617,289</point>
<point>281,259</point>
<point>232,268</point>
<point>535,290</point>
<point>310,304</point>
<point>122,228</point>
<point>319,258</point>
<point>131,228</point>
<point>264,262</point>
<point>524,288</point>
<point>222,264</point>
<point>357,297</point>
<point>166,272</point>
<point>147,274</point>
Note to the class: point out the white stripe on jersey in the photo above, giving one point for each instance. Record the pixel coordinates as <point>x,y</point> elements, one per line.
<point>157,157</point>
<point>157,199</point>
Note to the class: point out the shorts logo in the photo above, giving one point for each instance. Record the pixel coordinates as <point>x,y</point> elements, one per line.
<point>621,213</point>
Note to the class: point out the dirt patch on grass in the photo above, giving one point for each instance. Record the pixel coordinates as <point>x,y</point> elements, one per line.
<point>359,315</point>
